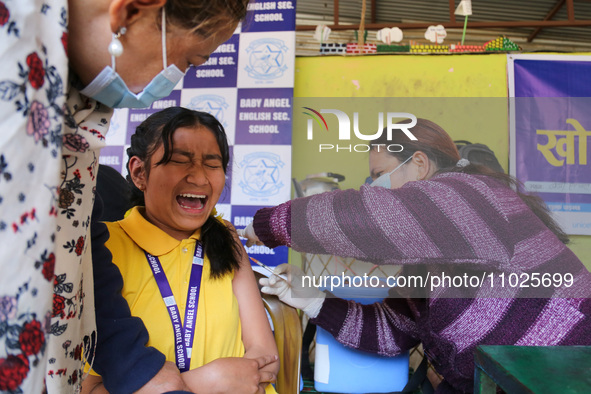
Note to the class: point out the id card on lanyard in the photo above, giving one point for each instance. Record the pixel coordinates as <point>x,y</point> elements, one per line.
<point>183,333</point>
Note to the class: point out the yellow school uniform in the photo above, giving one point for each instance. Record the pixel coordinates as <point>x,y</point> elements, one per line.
<point>218,332</point>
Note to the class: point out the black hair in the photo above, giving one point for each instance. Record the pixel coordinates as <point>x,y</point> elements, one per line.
<point>158,130</point>
<point>434,141</point>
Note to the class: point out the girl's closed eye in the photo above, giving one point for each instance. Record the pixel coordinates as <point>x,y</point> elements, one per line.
<point>183,161</point>
<point>213,161</point>
<point>180,158</point>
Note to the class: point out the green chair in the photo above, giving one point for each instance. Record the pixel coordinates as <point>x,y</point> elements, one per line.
<point>532,369</point>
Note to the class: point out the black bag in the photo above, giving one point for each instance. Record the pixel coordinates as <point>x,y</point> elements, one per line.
<point>479,154</point>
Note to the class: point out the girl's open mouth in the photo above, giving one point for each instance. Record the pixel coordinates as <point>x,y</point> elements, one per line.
<point>192,201</point>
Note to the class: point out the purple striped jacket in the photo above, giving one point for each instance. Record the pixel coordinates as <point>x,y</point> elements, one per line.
<point>452,220</point>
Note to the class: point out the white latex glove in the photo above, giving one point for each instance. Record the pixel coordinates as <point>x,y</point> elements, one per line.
<point>308,299</point>
<point>250,235</point>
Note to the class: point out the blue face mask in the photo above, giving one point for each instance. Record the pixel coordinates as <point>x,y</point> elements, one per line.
<point>384,179</point>
<point>109,89</point>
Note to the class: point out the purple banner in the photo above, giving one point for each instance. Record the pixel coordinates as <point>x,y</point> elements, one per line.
<point>270,15</point>
<point>551,144</point>
<point>226,196</point>
<point>113,156</point>
<point>220,71</point>
<point>264,116</point>
<point>550,135</point>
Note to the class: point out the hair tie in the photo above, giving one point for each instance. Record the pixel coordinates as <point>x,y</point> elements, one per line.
<point>462,163</point>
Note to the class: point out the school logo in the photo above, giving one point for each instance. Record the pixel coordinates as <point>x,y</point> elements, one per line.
<point>212,104</point>
<point>266,58</point>
<point>261,175</point>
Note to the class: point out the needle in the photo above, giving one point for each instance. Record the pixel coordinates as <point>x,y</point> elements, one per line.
<point>267,268</point>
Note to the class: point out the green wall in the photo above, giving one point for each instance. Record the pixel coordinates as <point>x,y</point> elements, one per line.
<point>465,94</point>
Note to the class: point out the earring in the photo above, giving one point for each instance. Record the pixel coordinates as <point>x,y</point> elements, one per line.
<point>115,47</point>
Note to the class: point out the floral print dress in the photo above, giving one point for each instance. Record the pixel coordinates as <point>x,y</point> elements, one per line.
<point>50,137</point>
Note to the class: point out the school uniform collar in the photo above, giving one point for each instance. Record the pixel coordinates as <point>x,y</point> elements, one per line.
<point>148,236</point>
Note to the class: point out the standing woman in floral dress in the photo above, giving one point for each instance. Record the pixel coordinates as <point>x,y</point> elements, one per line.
<point>64,66</point>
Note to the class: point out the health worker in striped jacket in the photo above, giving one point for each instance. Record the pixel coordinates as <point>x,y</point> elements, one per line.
<point>437,215</point>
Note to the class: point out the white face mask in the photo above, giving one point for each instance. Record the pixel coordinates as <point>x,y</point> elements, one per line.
<point>384,179</point>
<point>110,89</point>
